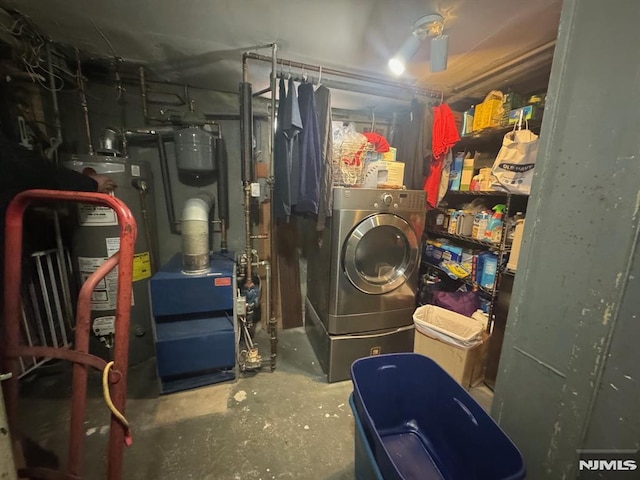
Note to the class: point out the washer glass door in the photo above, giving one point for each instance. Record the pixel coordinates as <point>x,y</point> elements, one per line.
<point>380,253</point>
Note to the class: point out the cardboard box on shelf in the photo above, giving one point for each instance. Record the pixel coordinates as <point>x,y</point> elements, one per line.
<point>529,112</point>
<point>467,174</point>
<point>381,173</point>
<point>390,156</point>
<point>455,173</point>
<point>487,115</point>
<point>466,366</point>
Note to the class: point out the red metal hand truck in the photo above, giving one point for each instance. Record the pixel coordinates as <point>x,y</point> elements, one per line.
<point>12,350</point>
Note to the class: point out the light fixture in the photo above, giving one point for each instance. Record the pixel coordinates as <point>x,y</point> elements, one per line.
<point>429,26</point>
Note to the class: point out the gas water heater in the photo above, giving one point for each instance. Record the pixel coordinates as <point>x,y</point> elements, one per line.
<point>97,237</point>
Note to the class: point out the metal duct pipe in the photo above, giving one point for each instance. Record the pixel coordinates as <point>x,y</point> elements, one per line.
<point>223,191</point>
<point>195,233</point>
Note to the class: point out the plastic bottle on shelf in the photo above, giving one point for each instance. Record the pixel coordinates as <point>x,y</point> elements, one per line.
<point>510,225</point>
<point>480,225</point>
<point>493,233</point>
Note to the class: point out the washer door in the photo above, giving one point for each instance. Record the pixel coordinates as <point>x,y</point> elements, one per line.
<point>380,253</point>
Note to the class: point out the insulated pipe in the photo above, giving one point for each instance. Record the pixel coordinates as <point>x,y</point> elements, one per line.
<point>195,233</point>
<point>246,159</point>
<point>246,133</point>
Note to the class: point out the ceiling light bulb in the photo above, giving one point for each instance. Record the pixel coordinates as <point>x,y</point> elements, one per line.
<point>407,50</point>
<point>396,66</point>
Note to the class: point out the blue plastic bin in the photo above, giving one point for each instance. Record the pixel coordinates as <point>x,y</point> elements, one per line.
<point>365,463</point>
<point>421,424</point>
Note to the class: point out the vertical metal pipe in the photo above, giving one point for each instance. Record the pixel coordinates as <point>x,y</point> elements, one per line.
<point>123,111</point>
<point>223,235</point>
<point>273,322</point>
<point>54,96</point>
<point>85,106</point>
<point>143,94</point>
<point>272,113</point>
<point>66,293</point>
<point>247,229</point>
<point>166,182</point>
<point>223,189</point>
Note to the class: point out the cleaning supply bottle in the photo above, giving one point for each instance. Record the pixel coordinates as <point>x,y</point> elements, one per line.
<point>493,233</point>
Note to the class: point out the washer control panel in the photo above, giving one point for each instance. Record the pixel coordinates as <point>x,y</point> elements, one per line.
<point>345,198</point>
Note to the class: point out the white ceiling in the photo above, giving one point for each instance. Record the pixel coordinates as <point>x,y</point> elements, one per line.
<point>201,41</point>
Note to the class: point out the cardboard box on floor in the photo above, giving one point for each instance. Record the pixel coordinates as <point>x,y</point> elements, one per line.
<point>465,366</point>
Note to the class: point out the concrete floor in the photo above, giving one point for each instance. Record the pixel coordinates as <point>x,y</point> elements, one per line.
<point>286,424</point>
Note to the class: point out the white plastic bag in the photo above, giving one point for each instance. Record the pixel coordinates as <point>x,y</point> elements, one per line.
<point>513,167</point>
<point>435,322</point>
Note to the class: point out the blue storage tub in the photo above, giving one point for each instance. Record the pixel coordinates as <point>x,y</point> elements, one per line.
<point>365,463</point>
<point>421,424</point>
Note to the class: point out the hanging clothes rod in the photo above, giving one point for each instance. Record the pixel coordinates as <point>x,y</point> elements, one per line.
<point>376,91</point>
<point>344,74</point>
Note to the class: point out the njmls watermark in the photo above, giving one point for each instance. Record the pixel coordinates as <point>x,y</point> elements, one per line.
<point>608,464</point>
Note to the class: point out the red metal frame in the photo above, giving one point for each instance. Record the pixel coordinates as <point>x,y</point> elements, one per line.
<point>80,356</point>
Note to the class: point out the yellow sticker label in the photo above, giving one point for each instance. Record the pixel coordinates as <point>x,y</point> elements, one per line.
<point>141,266</point>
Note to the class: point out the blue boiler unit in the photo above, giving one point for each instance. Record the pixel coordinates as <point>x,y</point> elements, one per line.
<point>194,327</point>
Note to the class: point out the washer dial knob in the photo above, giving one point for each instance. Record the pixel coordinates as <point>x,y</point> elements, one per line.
<point>387,199</point>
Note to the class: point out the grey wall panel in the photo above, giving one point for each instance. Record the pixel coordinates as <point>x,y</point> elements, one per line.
<point>584,215</point>
<point>615,419</point>
<point>530,415</point>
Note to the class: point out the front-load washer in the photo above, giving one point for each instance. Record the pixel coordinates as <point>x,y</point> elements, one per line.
<point>362,275</point>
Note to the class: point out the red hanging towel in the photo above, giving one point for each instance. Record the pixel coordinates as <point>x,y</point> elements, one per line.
<point>445,133</point>
<point>381,143</point>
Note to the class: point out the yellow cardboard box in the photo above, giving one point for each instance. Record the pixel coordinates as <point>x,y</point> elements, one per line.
<point>390,156</point>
